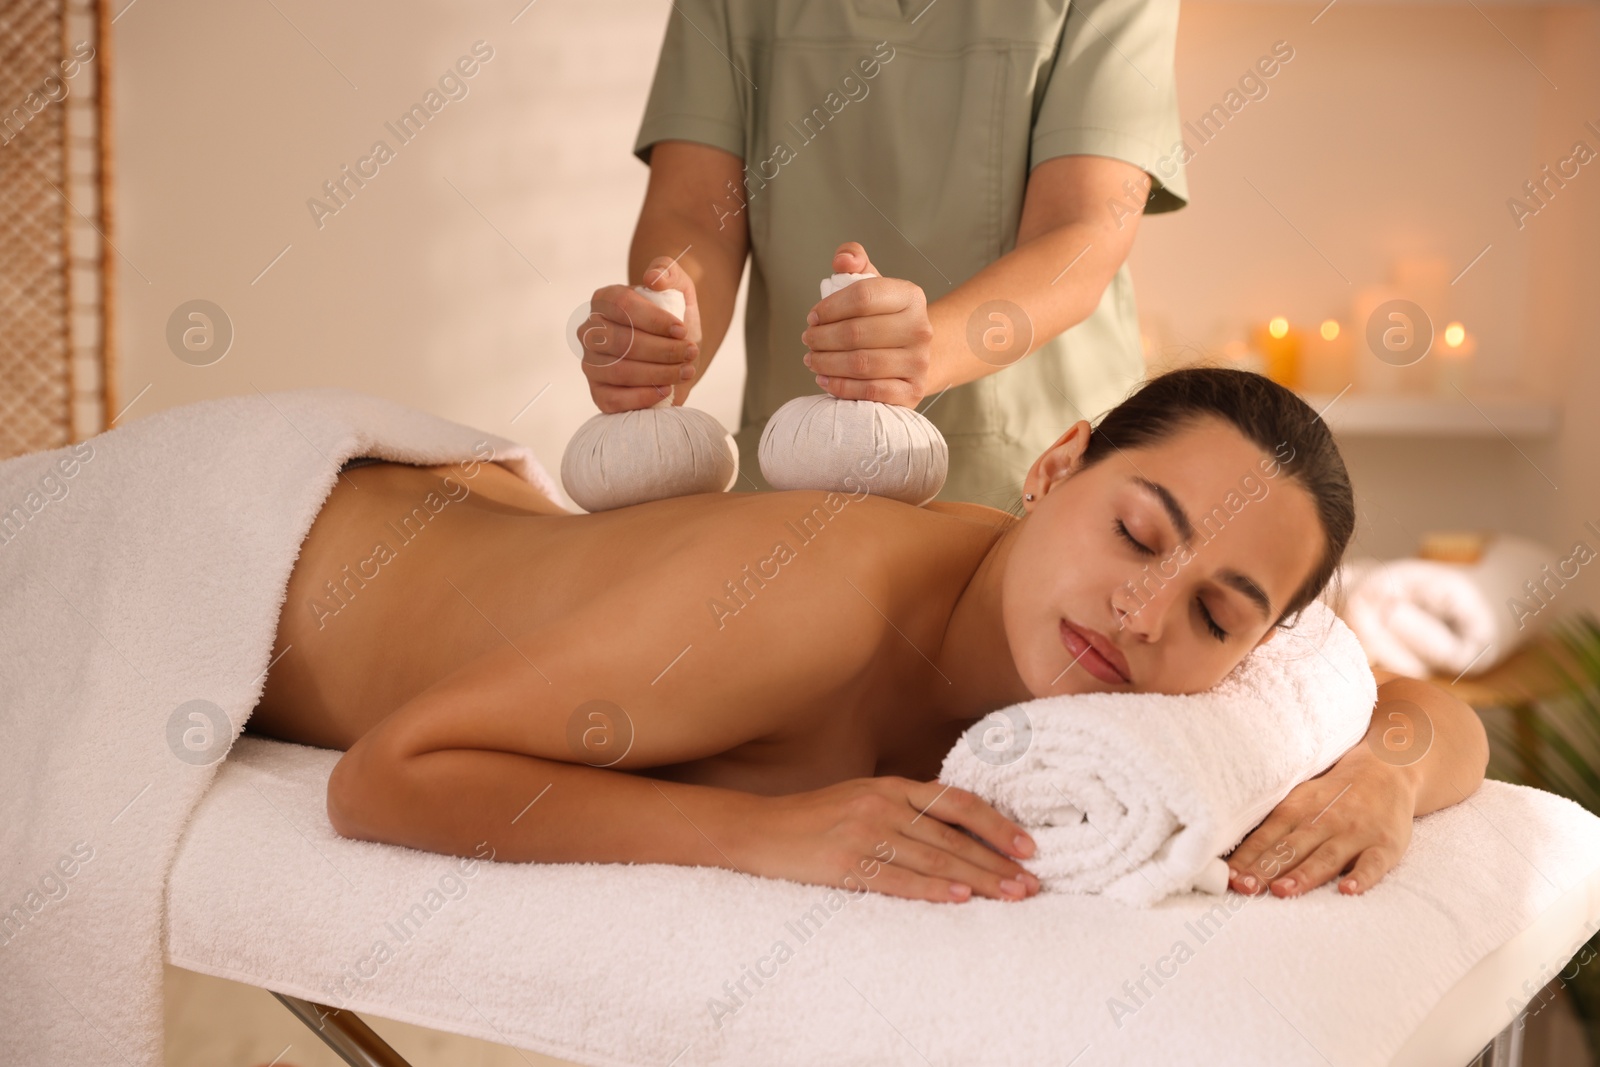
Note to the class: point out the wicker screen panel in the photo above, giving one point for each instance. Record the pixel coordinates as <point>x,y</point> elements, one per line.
<point>54,286</point>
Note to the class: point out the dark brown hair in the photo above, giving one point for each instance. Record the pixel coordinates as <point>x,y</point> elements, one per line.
<point>1264,412</point>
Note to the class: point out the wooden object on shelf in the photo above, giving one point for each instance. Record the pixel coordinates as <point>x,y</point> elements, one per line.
<point>1524,675</point>
<point>1453,546</point>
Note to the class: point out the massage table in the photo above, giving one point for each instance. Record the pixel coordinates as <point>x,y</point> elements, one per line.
<point>642,964</point>
<point>145,586</point>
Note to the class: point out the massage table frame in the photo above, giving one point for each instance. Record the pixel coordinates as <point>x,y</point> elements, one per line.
<point>346,1033</point>
<point>359,1045</point>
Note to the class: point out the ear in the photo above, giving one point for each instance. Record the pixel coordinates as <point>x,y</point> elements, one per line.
<point>1056,463</point>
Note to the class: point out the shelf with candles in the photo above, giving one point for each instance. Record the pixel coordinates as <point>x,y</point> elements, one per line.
<point>1363,396</point>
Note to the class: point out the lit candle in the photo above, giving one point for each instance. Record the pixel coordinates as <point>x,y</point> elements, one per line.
<point>1387,331</point>
<point>1453,356</point>
<point>1279,345</point>
<point>1326,367</point>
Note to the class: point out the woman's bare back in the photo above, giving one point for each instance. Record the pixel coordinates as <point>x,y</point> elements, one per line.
<point>764,642</point>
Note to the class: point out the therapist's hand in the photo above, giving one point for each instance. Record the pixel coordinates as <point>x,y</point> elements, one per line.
<point>634,353</point>
<point>1356,815</point>
<point>871,340</point>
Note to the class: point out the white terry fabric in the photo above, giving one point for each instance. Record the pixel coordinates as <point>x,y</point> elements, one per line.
<point>631,457</point>
<point>1419,616</point>
<point>1137,795</point>
<point>847,446</point>
<point>834,283</point>
<point>626,964</point>
<point>154,578</point>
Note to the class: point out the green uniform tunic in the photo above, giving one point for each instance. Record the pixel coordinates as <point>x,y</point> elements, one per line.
<point>912,128</point>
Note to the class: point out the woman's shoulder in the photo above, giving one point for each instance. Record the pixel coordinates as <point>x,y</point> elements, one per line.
<point>887,516</point>
<point>961,509</point>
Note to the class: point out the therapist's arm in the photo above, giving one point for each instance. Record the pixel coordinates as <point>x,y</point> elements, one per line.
<point>1079,217</point>
<point>690,215</point>
<point>883,341</point>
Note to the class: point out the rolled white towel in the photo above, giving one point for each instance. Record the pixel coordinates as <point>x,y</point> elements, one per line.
<point>1419,617</point>
<point>1138,795</point>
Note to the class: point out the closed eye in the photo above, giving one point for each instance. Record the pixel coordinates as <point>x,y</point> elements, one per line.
<point>1122,531</point>
<point>1205,615</point>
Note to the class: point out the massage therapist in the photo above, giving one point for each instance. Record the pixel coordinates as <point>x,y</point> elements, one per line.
<point>990,161</point>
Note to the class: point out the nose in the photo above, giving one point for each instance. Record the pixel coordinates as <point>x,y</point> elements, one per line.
<point>1141,607</point>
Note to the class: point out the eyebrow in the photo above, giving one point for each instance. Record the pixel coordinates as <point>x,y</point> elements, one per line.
<point>1175,512</point>
<point>1250,589</point>
<point>1180,520</point>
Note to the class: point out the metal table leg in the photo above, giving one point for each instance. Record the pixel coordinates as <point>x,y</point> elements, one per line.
<point>356,1043</point>
<point>350,1037</point>
<point>1506,1048</point>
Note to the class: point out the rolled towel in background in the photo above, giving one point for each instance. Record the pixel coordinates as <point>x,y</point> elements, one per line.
<point>1420,616</point>
<point>1138,795</point>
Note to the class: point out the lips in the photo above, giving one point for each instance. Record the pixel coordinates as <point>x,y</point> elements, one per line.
<point>1095,654</point>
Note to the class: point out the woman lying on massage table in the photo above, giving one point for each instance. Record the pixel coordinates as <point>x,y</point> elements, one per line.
<point>768,682</point>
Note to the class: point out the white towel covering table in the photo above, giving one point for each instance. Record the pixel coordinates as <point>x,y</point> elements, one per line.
<point>653,964</point>
<point>144,579</point>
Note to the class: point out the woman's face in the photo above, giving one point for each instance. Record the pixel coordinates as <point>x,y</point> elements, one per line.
<point>1157,569</point>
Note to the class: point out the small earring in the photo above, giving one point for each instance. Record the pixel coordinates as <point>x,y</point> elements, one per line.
<point>1027,496</point>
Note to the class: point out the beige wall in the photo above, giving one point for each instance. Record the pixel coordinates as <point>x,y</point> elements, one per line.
<point>229,121</point>
<point>1397,130</point>
<point>1562,346</point>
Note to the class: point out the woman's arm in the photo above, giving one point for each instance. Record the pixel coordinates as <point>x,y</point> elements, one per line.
<point>859,834</point>
<point>1424,750</point>
<point>1435,738</point>
<point>528,749</point>
<point>526,808</point>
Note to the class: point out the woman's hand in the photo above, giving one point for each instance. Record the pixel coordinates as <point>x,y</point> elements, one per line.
<point>893,835</point>
<point>1357,812</point>
<point>871,340</point>
<point>634,352</point>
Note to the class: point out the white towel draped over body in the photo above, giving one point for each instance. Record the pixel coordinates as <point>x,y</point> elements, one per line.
<point>142,592</point>
<point>1137,795</point>
<point>1421,616</point>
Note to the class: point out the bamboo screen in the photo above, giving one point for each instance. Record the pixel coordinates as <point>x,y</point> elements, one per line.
<point>55,277</point>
